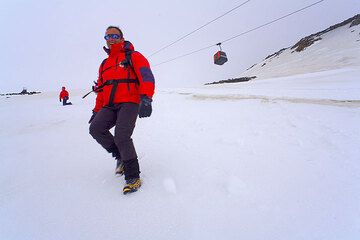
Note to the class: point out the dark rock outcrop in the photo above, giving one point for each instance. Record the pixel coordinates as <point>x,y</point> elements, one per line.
<point>276,54</point>
<point>309,40</point>
<point>233,80</point>
<point>23,92</point>
<point>355,21</point>
<point>305,42</point>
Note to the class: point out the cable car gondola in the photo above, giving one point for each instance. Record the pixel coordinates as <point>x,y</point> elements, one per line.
<point>220,57</point>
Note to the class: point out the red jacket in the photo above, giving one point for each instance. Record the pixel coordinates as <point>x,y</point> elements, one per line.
<point>131,81</point>
<point>63,94</point>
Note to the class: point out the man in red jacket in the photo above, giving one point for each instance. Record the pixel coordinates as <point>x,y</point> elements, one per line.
<point>64,96</point>
<point>124,90</point>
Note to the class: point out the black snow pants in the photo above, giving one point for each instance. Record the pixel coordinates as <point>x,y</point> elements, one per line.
<point>65,101</point>
<point>123,116</point>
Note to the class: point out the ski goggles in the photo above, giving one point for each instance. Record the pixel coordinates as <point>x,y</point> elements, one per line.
<point>113,36</point>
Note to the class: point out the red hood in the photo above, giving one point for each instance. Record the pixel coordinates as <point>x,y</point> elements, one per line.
<point>119,47</point>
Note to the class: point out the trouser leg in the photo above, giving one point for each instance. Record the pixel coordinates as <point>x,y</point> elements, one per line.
<point>131,169</point>
<point>125,124</point>
<point>65,100</point>
<point>100,127</point>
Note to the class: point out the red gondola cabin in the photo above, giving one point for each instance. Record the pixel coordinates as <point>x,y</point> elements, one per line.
<point>220,58</point>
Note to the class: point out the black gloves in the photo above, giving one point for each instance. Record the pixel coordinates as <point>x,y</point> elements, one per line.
<point>145,106</point>
<point>60,99</point>
<point>92,117</point>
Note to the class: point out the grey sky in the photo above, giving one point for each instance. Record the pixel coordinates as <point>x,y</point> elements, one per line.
<point>47,44</point>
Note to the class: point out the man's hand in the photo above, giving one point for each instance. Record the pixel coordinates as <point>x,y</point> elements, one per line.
<point>145,106</point>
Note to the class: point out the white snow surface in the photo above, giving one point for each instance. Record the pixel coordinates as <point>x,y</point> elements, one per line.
<point>272,159</point>
<point>337,49</point>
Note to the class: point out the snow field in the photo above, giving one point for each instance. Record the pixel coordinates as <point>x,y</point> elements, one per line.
<point>229,169</point>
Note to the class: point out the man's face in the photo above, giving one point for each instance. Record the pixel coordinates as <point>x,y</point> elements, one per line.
<point>112,40</point>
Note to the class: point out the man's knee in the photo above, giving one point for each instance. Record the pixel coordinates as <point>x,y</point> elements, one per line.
<point>123,133</point>
<point>94,130</point>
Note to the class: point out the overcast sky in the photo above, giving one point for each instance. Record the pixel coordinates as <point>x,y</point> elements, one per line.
<point>47,44</point>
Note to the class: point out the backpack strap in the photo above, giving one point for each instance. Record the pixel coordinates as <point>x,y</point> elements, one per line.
<point>127,63</point>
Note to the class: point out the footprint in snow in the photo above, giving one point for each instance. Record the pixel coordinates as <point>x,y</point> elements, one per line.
<point>169,185</point>
<point>235,186</point>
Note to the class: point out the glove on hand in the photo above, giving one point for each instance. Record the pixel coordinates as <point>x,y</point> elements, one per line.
<point>145,106</point>
<point>92,117</point>
<point>60,99</point>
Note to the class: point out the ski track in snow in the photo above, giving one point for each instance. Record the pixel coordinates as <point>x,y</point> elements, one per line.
<point>331,102</point>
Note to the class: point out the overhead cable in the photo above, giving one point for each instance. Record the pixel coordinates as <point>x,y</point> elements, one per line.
<point>275,20</point>
<point>181,38</point>
<point>241,34</point>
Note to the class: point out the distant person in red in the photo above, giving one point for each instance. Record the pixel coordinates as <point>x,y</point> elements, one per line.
<point>64,95</point>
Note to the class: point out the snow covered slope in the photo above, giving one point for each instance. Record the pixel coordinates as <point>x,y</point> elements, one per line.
<point>257,160</point>
<point>334,48</point>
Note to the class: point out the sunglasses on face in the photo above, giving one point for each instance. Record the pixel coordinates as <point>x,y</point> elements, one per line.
<point>113,36</point>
